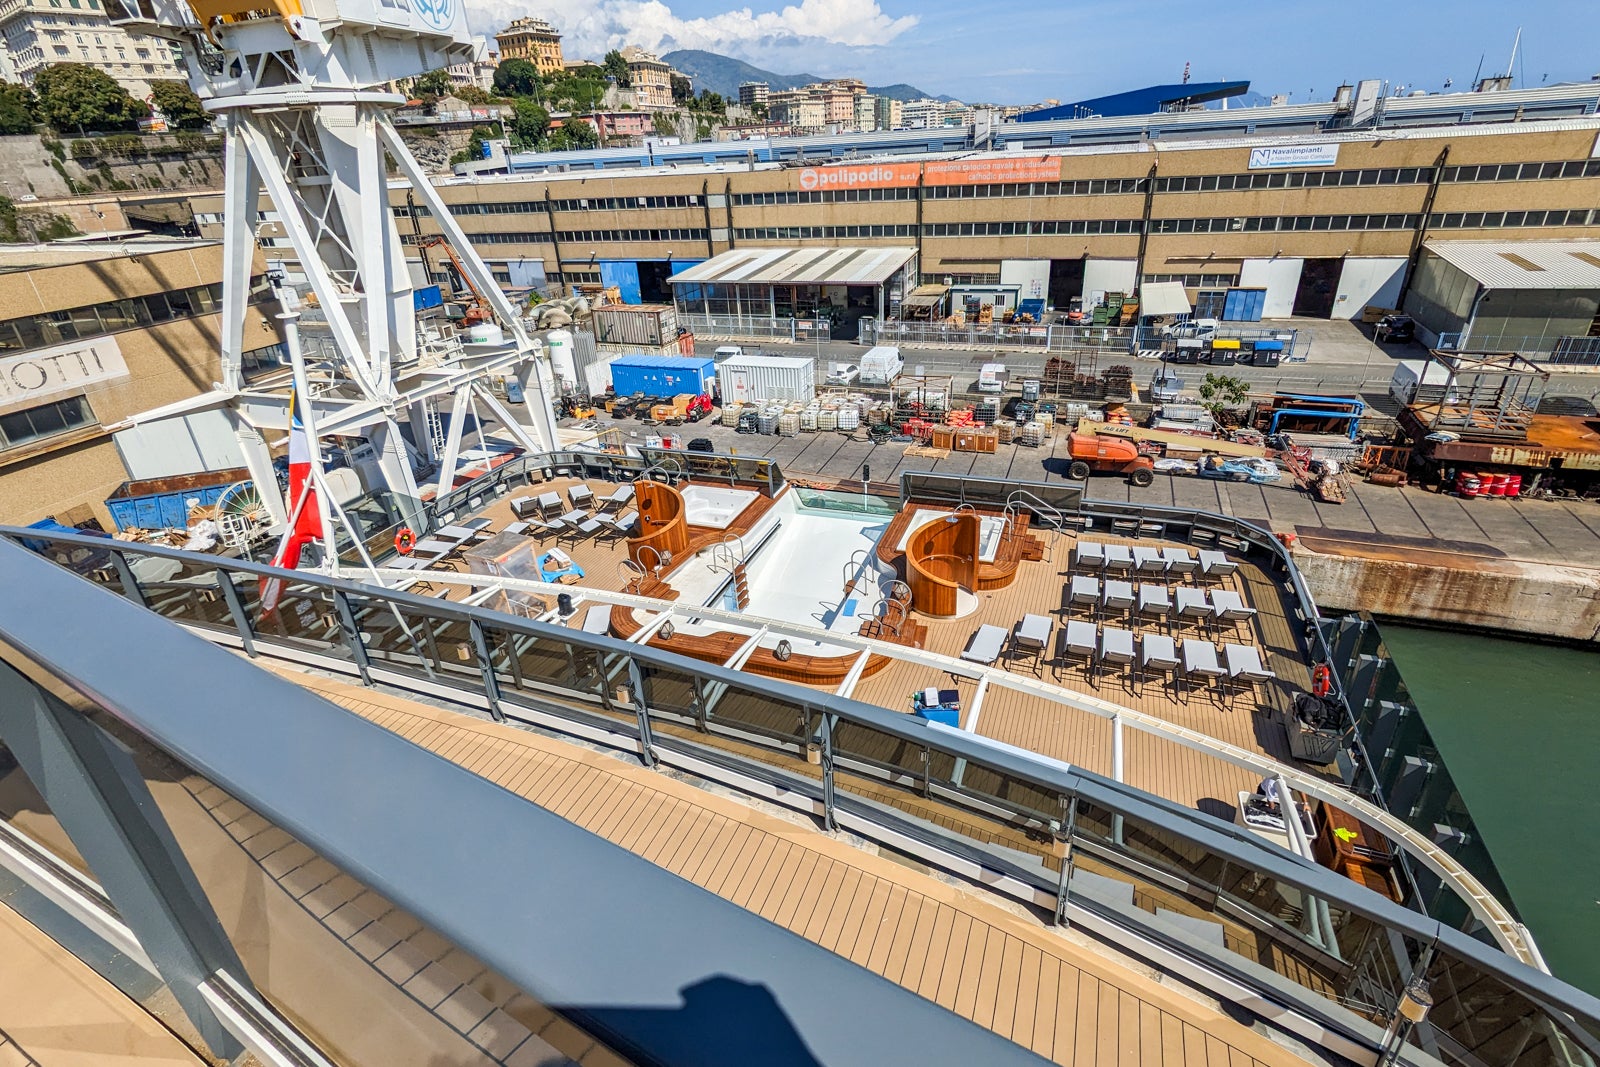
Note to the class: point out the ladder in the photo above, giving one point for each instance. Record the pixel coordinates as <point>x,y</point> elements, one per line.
<point>435,422</point>
<point>741,585</point>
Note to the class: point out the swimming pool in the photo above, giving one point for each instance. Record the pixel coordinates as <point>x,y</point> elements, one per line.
<point>708,506</point>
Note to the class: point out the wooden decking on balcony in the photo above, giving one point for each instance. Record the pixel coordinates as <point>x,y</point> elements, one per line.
<point>1003,970</point>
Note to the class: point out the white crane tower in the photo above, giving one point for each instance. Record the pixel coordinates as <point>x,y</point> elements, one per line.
<point>299,89</point>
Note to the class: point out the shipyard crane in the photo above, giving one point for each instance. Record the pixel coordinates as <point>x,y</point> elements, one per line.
<point>299,88</point>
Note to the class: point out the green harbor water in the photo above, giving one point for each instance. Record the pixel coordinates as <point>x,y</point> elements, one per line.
<point>1518,724</point>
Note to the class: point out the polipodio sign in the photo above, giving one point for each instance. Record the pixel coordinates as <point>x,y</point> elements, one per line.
<point>861,176</point>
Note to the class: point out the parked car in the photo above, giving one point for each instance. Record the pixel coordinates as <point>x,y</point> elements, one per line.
<point>843,374</point>
<point>1395,329</point>
<point>1200,328</point>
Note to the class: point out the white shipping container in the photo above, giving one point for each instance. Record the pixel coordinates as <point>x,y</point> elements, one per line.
<point>745,379</point>
<point>647,325</point>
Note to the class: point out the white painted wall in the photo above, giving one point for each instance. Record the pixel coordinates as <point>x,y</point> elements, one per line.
<point>1364,281</point>
<point>188,444</point>
<point>1279,277</point>
<point>1030,276</point>
<point>1101,276</point>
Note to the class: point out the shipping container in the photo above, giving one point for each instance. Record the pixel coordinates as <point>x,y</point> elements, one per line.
<point>646,325</point>
<point>159,503</point>
<point>662,375</point>
<point>747,378</point>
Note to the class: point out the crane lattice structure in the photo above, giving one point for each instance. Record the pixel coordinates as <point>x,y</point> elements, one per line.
<point>299,87</point>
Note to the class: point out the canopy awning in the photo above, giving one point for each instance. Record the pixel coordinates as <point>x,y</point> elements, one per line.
<point>925,296</point>
<point>1163,298</point>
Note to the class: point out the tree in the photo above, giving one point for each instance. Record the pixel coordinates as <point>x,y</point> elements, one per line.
<point>431,86</point>
<point>1220,391</point>
<point>178,103</point>
<point>573,134</point>
<point>17,114</point>
<point>576,94</point>
<point>529,121</point>
<point>617,68</point>
<point>516,77</point>
<point>471,94</point>
<point>682,89</point>
<point>75,97</point>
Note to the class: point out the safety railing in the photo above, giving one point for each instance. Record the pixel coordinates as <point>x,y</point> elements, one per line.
<point>1054,338</point>
<point>756,328</point>
<point>976,806</point>
<point>1225,531</point>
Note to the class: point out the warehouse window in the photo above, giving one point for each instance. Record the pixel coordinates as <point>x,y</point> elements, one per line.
<point>40,423</point>
<point>110,316</point>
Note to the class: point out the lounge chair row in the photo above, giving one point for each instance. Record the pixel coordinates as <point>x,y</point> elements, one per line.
<point>1092,556</point>
<point>1114,597</point>
<point>579,496</point>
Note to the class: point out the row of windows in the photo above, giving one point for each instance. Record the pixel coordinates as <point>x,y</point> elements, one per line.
<point>803,233</point>
<point>1526,172</point>
<point>1299,179</point>
<point>94,320</point>
<point>1091,187</point>
<point>631,235</point>
<point>1452,220</point>
<point>832,196</point>
<point>31,425</point>
<point>1034,228</point>
<point>1196,281</point>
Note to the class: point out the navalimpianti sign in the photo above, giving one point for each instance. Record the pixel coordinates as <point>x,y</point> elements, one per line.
<point>1294,155</point>
<point>66,368</point>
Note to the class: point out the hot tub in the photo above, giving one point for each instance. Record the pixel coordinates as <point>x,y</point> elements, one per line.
<point>714,508</point>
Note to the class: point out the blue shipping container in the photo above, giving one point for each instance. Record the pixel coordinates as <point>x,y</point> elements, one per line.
<point>160,503</point>
<point>662,375</point>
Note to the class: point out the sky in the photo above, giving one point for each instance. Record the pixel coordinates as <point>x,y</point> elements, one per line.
<point>1022,51</point>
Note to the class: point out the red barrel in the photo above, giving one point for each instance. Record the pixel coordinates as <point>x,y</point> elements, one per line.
<point>1514,485</point>
<point>1497,485</point>
<point>1468,484</point>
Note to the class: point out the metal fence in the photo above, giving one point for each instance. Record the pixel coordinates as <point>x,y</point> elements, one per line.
<point>749,328</point>
<point>1562,351</point>
<point>997,337</point>
<point>1338,979</point>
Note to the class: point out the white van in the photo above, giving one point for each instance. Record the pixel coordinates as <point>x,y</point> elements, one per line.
<point>992,378</point>
<point>727,352</point>
<point>881,365</point>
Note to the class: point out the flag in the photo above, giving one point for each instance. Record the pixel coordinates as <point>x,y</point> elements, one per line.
<point>305,516</point>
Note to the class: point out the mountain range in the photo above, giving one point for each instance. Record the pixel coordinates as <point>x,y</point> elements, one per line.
<point>722,75</point>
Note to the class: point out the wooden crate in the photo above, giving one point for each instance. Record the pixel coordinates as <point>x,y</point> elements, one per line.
<point>976,440</point>
<point>943,437</point>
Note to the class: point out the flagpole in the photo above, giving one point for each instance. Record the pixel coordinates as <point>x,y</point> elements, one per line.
<point>291,332</point>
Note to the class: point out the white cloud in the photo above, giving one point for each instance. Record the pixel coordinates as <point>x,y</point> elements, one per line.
<point>590,29</point>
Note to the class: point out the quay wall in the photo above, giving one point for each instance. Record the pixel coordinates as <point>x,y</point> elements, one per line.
<point>1518,596</point>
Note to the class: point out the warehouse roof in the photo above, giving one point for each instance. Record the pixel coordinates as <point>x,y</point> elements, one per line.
<point>798,266</point>
<point>1524,264</point>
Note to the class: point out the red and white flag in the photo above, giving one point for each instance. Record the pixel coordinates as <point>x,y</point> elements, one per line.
<point>305,516</point>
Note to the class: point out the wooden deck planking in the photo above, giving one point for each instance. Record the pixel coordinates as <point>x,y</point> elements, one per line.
<point>1009,978</point>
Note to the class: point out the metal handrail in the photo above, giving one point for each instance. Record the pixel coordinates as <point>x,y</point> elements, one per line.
<point>1224,841</point>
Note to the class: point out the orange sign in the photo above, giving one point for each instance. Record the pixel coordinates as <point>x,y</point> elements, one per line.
<point>990,171</point>
<point>861,176</point>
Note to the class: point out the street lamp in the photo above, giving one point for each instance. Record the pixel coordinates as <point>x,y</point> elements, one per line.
<point>1415,1000</point>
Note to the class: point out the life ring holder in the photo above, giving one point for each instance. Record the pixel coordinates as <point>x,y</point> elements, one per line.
<point>1321,680</point>
<point>404,541</point>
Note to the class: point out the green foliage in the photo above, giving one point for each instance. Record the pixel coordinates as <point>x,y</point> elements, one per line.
<point>77,97</point>
<point>682,89</point>
<point>759,111</point>
<point>516,77</point>
<point>573,134</point>
<point>529,121</point>
<point>431,86</point>
<point>576,94</point>
<point>54,229</point>
<point>664,124</point>
<point>1221,391</point>
<point>8,220</point>
<point>708,103</point>
<point>53,146</point>
<point>617,67</point>
<point>17,108</point>
<point>471,94</point>
<point>178,103</point>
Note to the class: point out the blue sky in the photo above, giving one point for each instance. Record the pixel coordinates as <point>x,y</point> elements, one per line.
<point>1019,51</point>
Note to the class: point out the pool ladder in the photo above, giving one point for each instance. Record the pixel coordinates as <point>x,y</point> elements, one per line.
<point>729,554</point>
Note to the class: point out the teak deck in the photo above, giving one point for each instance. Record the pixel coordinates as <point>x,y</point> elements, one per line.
<point>1003,971</point>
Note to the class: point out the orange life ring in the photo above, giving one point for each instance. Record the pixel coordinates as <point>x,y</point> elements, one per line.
<point>405,541</point>
<point>1321,680</point>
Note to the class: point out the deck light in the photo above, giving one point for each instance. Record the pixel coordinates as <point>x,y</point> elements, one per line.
<point>1415,1000</point>
<point>783,651</point>
<point>667,630</point>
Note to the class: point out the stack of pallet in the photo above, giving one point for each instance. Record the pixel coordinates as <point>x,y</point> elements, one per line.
<point>1119,381</point>
<point>985,314</point>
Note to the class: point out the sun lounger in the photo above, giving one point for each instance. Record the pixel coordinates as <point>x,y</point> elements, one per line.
<point>1178,560</point>
<point>1117,596</point>
<point>1156,653</point>
<point>1154,602</point>
<point>986,645</point>
<point>549,502</point>
<point>1200,660</point>
<point>1116,647</point>
<point>1216,564</point>
<point>1090,555</point>
<point>1078,642</point>
<point>1147,560</point>
<point>1193,605</point>
<point>618,499</point>
<point>625,526</point>
<point>1118,558</point>
<point>1084,591</point>
<point>525,507</point>
<point>1244,666</point>
<point>580,495</point>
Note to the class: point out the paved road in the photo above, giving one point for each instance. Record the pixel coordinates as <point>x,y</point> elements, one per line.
<point>1559,532</point>
<point>1340,357</point>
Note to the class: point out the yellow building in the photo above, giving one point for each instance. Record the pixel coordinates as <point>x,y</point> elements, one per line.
<point>91,334</point>
<point>650,77</point>
<point>534,40</point>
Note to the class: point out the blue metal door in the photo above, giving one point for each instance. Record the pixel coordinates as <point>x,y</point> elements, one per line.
<point>1244,305</point>
<point>624,274</point>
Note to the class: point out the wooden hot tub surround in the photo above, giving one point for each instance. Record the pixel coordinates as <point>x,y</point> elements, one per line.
<point>662,526</point>
<point>1016,545</point>
<point>941,560</point>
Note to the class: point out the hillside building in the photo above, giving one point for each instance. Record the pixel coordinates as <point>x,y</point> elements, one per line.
<point>752,93</point>
<point>35,34</point>
<point>534,40</point>
<point>650,77</point>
